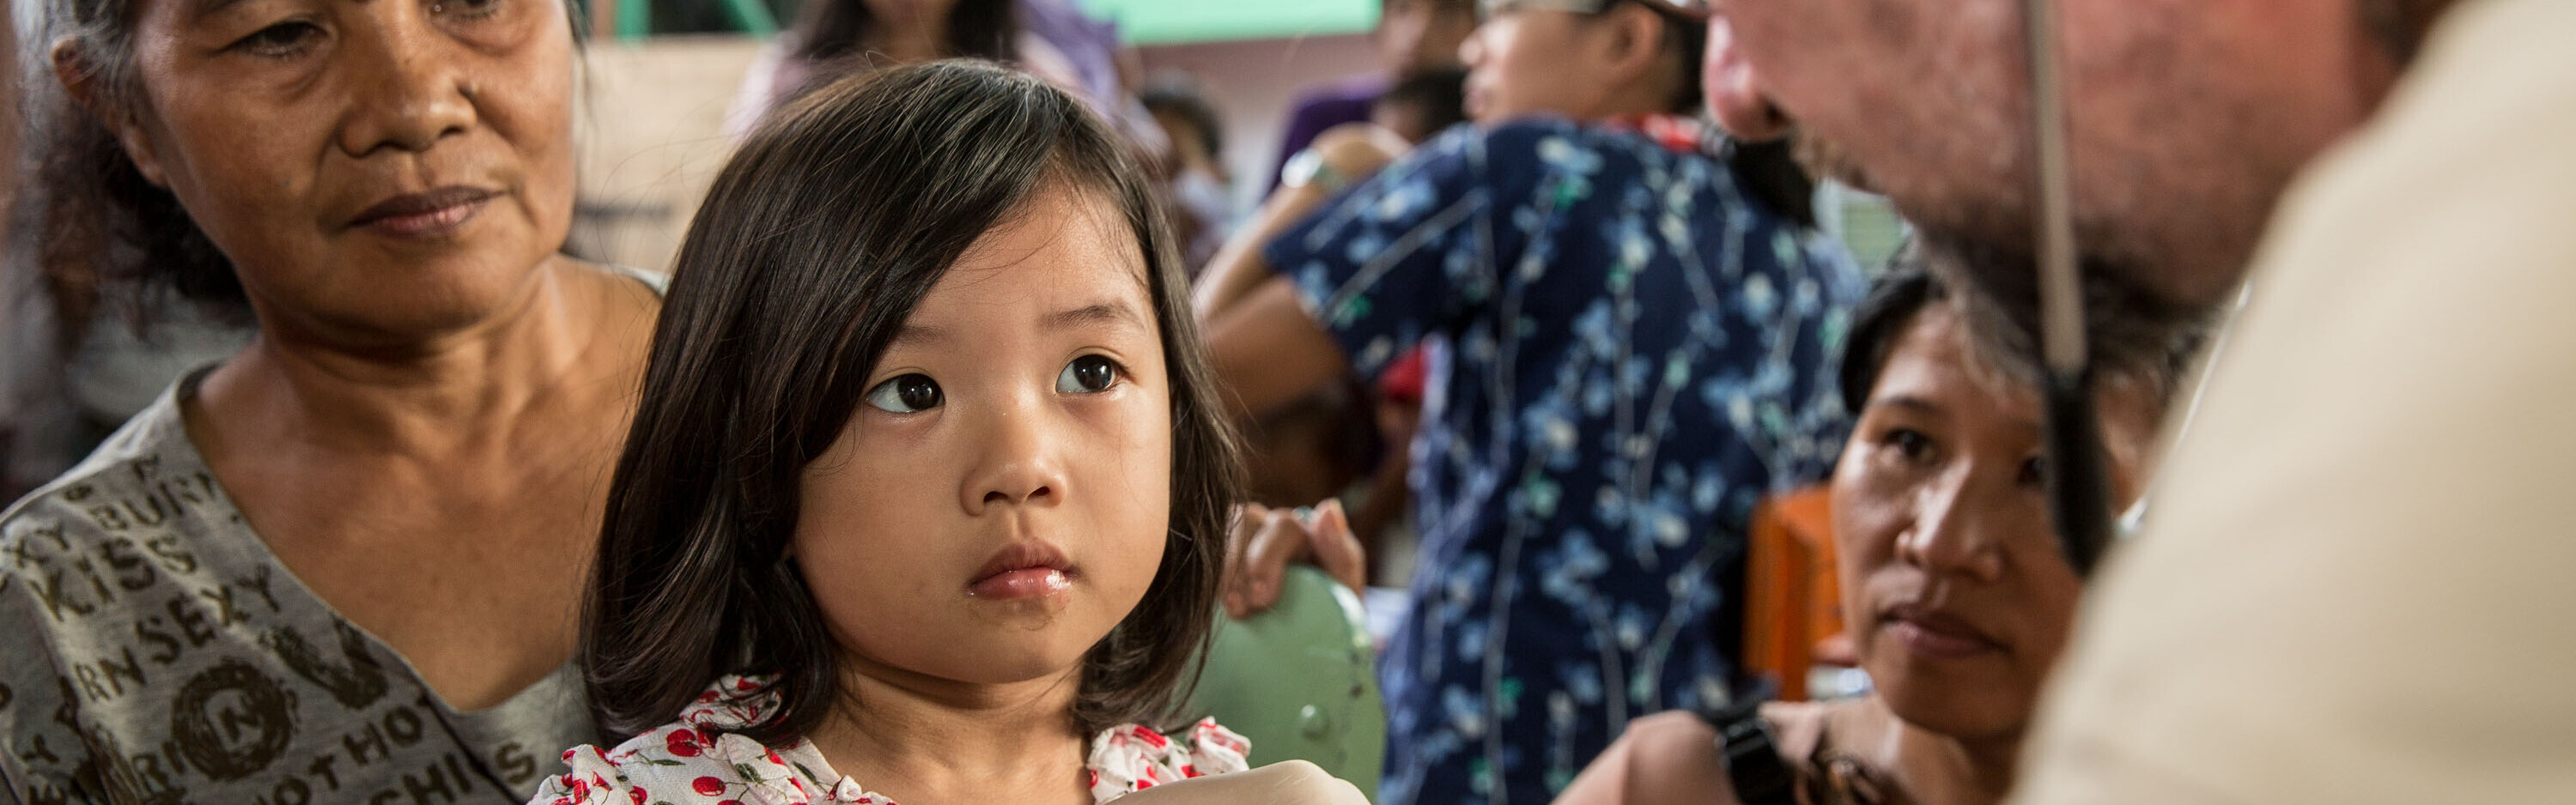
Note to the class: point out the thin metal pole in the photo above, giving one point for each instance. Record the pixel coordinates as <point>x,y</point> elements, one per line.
<point>2079,493</point>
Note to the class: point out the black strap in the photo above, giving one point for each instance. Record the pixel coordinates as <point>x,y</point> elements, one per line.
<point>1753,763</point>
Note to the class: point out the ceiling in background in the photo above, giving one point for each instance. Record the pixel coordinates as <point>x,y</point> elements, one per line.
<point>1166,22</point>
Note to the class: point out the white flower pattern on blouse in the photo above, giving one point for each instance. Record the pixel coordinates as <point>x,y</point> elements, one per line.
<point>699,760</point>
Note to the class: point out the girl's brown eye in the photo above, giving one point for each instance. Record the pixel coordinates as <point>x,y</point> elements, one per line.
<point>908,394</point>
<point>1089,374</point>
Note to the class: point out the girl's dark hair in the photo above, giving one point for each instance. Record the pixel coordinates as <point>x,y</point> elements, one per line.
<point>816,242</point>
<point>837,30</point>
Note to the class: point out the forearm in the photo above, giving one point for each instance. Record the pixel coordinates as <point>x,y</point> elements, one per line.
<point>1268,351</point>
<point>1349,153</point>
<point>1239,267</point>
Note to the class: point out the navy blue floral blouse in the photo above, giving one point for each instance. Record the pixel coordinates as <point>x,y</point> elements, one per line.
<point>1629,353</point>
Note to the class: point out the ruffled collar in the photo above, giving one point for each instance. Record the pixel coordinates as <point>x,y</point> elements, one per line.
<point>1123,760</point>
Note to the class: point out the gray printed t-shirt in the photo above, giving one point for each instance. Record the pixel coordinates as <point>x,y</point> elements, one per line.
<point>152,650</point>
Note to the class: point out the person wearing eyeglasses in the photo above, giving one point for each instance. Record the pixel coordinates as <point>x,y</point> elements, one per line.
<point>1636,350</point>
<point>1957,599</point>
<point>2350,585</point>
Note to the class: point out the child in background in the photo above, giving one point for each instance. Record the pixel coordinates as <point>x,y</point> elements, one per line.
<point>926,494</point>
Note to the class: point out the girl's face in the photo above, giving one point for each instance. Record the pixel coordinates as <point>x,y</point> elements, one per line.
<point>1002,497</point>
<point>1953,587</point>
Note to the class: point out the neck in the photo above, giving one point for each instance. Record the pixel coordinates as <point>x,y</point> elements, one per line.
<point>916,738</point>
<point>1629,101</point>
<point>332,387</point>
<point>1961,771</point>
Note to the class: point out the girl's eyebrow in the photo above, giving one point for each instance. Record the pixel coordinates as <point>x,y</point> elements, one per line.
<point>1113,313</point>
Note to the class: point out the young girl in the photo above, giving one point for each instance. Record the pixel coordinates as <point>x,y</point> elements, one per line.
<point>927,486</point>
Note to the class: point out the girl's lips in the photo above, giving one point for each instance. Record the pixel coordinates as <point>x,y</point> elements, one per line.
<point>1031,582</point>
<point>1029,569</point>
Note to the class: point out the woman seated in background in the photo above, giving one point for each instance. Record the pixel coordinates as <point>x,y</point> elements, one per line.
<point>1952,584</point>
<point>327,568</point>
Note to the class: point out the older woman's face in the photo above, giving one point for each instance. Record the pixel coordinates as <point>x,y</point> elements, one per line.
<point>1953,587</point>
<point>375,169</point>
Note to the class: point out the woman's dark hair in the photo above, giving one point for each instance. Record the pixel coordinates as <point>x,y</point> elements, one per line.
<point>816,242</point>
<point>1439,94</point>
<point>1180,97</point>
<point>1915,280</point>
<point>1877,323</point>
<point>90,224</point>
<point>837,30</point>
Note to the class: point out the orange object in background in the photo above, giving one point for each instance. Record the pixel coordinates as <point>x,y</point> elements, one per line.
<point>1793,603</point>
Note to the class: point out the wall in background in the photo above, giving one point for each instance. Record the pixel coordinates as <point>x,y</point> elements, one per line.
<point>1163,22</point>
<point>651,117</point>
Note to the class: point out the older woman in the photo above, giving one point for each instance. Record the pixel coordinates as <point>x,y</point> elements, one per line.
<point>1957,599</point>
<point>326,568</point>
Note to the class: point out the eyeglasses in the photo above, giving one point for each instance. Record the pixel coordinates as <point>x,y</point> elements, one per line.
<point>1695,10</point>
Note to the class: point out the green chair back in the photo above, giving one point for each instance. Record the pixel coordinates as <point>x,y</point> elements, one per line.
<point>1300,681</point>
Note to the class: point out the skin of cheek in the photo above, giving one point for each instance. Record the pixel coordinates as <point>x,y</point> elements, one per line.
<point>1979,440</point>
<point>254,151</point>
<point>2033,606</point>
<point>890,537</point>
<point>1986,695</point>
<point>1526,66</point>
<point>888,553</point>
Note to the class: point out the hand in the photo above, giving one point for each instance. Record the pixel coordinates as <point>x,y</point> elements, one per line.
<point>1264,540</point>
<point>1288,782</point>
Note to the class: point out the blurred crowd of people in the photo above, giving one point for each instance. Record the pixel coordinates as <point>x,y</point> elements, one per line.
<point>337,479</point>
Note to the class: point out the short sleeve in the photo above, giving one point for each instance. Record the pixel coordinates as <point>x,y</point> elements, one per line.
<point>686,765</point>
<point>1409,251</point>
<point>1131,758</point>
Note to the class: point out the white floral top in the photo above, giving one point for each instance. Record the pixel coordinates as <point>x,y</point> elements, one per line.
<point>699,761</point>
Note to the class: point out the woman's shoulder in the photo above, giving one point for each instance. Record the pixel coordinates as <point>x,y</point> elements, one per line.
<point>144,493</point>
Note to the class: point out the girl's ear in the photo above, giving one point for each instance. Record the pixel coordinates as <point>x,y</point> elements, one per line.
<point>80,78</point>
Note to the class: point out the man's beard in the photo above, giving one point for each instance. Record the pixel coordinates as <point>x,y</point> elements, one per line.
<point>2127,322</point>
<point>2128,327</point>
